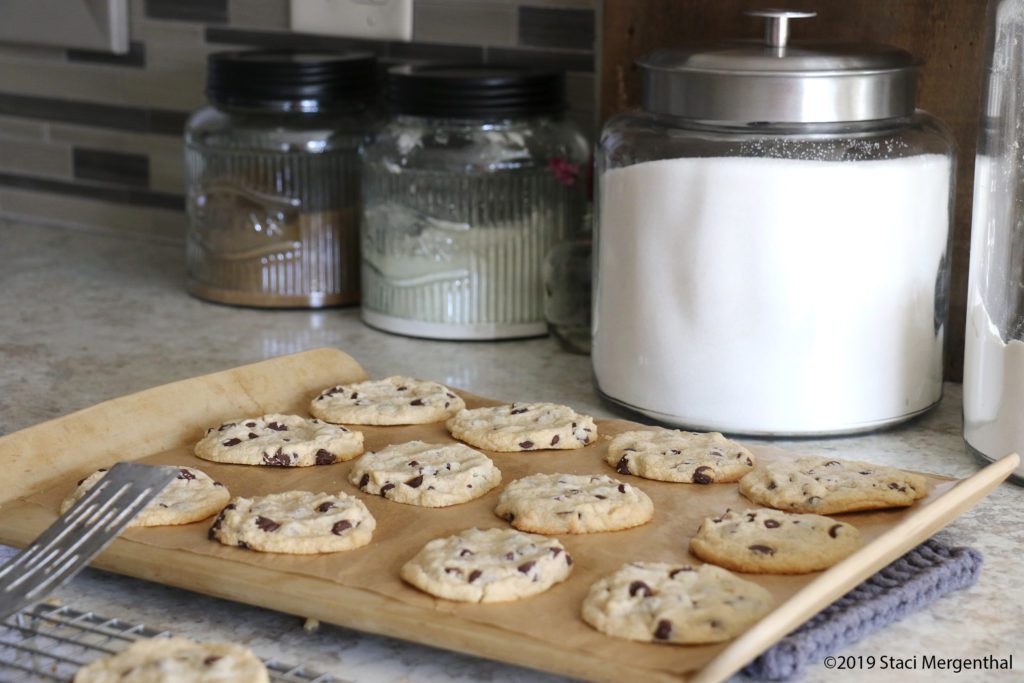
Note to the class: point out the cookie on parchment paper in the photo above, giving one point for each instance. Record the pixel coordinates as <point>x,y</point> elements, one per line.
<point>390,401</point>
<point>192,496</point>
<point>492,565</point>
<point>295,523</point>
<point>824,486</point>
<point>523,427</point>
<point>429,475</point>
<point>279,441</point>
<point>765,541</point>
<point>672,455</point>
<point>573,504</point>
<point>665,603</point>
<point>176,660</point>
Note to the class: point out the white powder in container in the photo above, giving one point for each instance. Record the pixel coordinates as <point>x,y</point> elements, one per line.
<point>772,296</point>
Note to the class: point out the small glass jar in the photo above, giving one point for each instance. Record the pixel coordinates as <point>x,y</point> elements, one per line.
<point>272,178</point>
<point>773,231</point>
<point>473,180</point>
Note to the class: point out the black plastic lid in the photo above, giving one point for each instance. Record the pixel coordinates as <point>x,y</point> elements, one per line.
<point>285,80</point>
<point>474,91</point>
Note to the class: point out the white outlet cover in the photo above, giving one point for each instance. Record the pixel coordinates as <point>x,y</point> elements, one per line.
<point>373,19</point>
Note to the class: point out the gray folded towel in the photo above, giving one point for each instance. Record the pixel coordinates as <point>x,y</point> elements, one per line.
<point>920,577</point>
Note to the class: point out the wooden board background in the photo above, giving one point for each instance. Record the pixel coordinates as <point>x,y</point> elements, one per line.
<point>948,35</point>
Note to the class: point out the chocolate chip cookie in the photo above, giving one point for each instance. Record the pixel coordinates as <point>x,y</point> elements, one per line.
<point>774,542</point>
<point>573,504</point>
<point>523,427</point>
<point>390,401</point>
<point>492,565</point>
<point>279,441</point>
<point>666,603</point>
<point>671,455</point>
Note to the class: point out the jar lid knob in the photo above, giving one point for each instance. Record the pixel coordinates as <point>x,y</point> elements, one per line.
<point>776,28</point>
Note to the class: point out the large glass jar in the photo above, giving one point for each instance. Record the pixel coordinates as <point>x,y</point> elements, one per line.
<point>994,344</point>
<point>465,190</point>
<point>772,241</point>
<point>272,177</point>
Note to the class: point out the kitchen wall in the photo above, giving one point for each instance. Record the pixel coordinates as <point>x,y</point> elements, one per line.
<point>94,139</point>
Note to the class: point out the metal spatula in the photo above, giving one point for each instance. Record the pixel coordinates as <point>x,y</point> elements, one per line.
<point>70,543</point>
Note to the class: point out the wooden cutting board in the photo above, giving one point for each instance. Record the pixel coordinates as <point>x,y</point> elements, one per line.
<point>361,588</point>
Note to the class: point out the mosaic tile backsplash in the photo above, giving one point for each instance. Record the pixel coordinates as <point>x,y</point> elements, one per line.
<point>94,139</point>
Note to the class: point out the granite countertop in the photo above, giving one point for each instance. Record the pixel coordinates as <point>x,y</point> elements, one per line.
<point>88,317</point>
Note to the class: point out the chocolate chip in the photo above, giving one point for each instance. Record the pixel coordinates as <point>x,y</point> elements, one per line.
<point>231,442</point>
<point>267,524</point>
<point>622,488</point>
<point>526,444</point>
<point>832,463</point>
<point>253,436</point>
<point>385,488</point>
<point>568,559</point>
<point>510,517</point>
<point>250,424</point>
<point>416,402</point>
<point>211,660</point>
<point>865,472</point>
<point>278,459</point>
<point>185,474</point>
<point>640,587</point>
<point>453,570</point>
<point>401,388</point>
<point>623,466</point>
<point>364,480</point>
<point>555,551</point>
<point>771,486</point>
<point>762,549</point>
<point>217,483</point>
<point>750,463</point>
<point>664,630</point>
<point>554,439</point>
<point>277,427</point>
<point>229,506</point>
<point>324,507</point>
<point>415,482</point>
<point>449,394</point>
<point>474,575</point>
<point>834,530</point>
<point>772,524</point>
<point>224,426</point>
<point>510,556</point>
<point>517,411</point>
<point>414,463</point>
<point>324,457</point>
<point>243,545</point>
<point>703,475</point>
<point>465,551</point>
<point>600,497</point>
<point>672,574</point>
<point>355,395</point>
<point>751,516</point>
<point>526,566</point>
<point>340,527</point>
<point>80,481</point>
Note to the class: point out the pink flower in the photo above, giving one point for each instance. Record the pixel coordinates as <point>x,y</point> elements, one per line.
<point>565,172</point>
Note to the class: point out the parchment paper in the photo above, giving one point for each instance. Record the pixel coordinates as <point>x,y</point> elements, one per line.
<point>552,617</point>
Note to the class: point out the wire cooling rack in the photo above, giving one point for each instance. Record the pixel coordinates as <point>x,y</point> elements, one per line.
<point>47,643</point>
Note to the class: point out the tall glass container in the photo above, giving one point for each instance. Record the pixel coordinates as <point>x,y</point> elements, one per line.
<point>272,176</point>
<point>476,176</point>
<point>772,236</point>
<point>994,344</point>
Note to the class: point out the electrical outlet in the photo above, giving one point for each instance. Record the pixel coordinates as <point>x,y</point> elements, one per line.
<point>374,19</point>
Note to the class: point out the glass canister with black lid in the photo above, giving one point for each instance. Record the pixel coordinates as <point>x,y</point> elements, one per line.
<point>272,178</point>
<point>473,179</point>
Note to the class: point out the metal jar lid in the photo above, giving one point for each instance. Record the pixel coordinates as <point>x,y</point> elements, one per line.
<point>776,82</point>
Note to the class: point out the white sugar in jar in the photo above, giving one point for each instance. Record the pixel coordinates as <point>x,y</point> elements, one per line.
<point>783,278</point>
